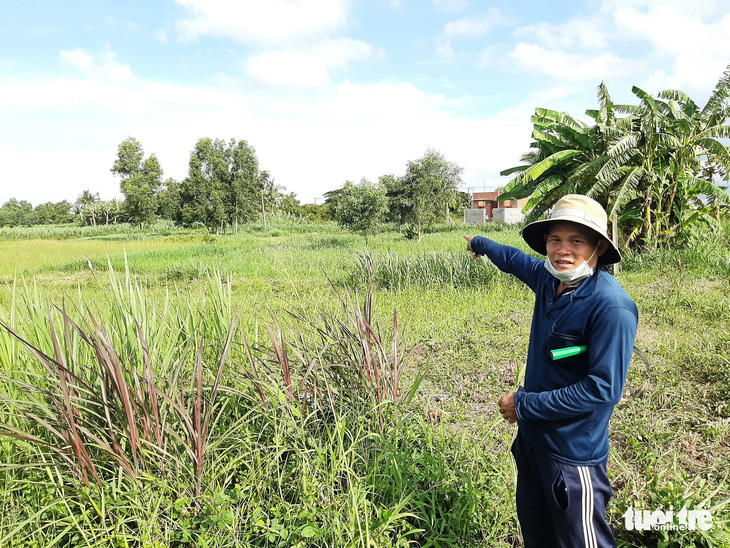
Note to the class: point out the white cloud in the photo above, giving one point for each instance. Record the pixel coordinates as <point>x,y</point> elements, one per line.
<point>666,27</point>
<point>450,5</point>
<point>445,50</point>
<point>699,48</point>
<point>294,42</point>
<point>570,66</point>
<point>467,27</point>
<point>577,33</point>
<point>257,21</point>
<point>384,102</point>
<point>309,66</point>
<point>693,74</point>
<point>103,66</point>
<point>78,59</point>
<point>692,37</point>
<point>474,27</point>
<point>310,142</point>
<point>709,7</point>
<point>66,174</point>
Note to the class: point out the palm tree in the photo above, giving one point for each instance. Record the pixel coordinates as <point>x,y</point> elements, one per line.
<point>569,156</point>
<point>663,158</point>
<point>84,207</point>
<point>646,167</point>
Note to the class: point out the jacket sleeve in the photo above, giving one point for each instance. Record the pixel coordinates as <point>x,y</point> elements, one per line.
<point>510,260</point>
<point>610,347</point>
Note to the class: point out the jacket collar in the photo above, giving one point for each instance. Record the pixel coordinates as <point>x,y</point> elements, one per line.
<point>585,289</point>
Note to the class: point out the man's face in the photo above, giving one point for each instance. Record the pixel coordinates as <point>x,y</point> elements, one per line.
<point>569,244</point>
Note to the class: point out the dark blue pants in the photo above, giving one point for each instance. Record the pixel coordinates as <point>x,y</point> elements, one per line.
<point>560,505</point>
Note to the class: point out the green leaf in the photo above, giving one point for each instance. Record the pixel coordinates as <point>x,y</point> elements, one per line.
<point>309,531</point>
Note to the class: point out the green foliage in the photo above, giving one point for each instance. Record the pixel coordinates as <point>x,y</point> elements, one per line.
<point>15,213</point>
<point>423,194</point>
<point>141,181</point>
<point>397,272</point>
<point>274,201</point>
<point>658,168</point>
<point>411,232</point>
<point>361,207</point>
<point>298,444</point>
<point>169,201</point>
<point>316,212</point>
<point>53,214</point>
<point>222,187</point>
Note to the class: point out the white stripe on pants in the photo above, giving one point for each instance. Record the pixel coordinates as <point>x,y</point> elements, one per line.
<point>589,533</point>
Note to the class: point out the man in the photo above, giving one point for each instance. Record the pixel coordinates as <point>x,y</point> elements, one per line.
<point>563,410</point>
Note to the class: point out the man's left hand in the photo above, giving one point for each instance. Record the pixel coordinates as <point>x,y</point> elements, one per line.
<point>507,407</point>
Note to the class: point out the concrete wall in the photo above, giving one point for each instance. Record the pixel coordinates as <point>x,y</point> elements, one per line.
<point>475,216</point>
<point>509,215</point>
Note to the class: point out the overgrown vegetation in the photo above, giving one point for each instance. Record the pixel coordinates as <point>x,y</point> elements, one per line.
<point>293,387</point>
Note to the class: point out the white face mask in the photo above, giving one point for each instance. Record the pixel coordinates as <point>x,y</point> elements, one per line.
<point>571,277</point>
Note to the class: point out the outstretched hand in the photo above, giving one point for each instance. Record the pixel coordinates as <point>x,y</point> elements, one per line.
<point>469,248</point>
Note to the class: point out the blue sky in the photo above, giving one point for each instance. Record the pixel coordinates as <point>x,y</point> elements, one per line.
<point>325,90</point>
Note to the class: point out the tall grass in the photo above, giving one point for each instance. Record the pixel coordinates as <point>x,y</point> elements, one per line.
<point>158,423</point>
<point>71,231</point>
<point>309,441</point>
<point>445,269</point>
<point>705,253</point>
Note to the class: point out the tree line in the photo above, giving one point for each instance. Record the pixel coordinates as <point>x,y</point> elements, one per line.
<point>426,193</point>
<point>225,187</point>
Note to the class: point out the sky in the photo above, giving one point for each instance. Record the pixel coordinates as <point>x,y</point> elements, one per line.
<point>325,91</point>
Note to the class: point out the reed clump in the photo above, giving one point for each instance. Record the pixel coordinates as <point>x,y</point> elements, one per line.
<point>160,423</point>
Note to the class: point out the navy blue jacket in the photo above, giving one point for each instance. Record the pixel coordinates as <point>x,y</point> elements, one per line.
<point>565,405</point>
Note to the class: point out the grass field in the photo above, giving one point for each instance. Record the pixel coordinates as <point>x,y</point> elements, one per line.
<point>243,390</point>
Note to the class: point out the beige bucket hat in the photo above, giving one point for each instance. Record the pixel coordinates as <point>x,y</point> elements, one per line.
<point>575,208</point>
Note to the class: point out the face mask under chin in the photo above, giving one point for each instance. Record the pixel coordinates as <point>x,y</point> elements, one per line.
<point>574,276</point>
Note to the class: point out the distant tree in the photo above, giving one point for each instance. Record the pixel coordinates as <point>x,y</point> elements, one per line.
<point>317,212</point>
<point>331,198</point>
<point>141,181</point>
<point>202,194</point>
<point>45,213</point>
<point>169,201</point>
<point>63,212</point>
<point>84,207</point>
<point>129,158</point>
<point>222,187</point>
<point>458,202</point>
<point>17,213</point>
<point>399,202</point>
<point>50,213</point>
<point>361,207</point>
<point>269,194</point>
<point>289,204</point>
<point>244,174</point>
<point>109,211</point>
<point>428,185</point>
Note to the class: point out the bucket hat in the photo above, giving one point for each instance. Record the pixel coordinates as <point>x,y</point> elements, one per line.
<point>579,209</point>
